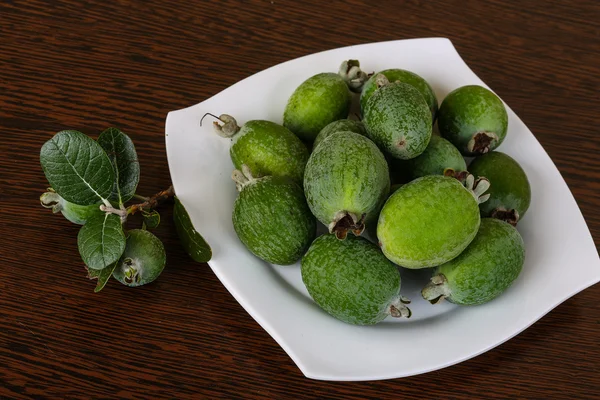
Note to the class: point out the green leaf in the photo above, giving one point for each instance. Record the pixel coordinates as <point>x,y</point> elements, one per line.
<point>151,219</point>
<point>121,151</point>
<point>77,168</point>
<point>103,275</point>
<point>101,241</point>
<point>192,241</point>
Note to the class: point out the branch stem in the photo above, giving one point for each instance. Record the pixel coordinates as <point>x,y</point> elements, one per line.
<point>152,201</point>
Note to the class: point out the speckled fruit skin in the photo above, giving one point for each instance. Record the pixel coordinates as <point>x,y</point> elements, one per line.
<point>346,172</point>
<point>268,148</point>
<point>509,188</point>
<point>342,125</point>
<point>318,101</point>
<point>350,279</point>
<point>468,110</point>
<point>404,76</point>
<point>146,252</point>
<point>398,120</point>
<point>439,155</point>
<point>272,219</point>
<point>427,222</point>
<point>488,266</point>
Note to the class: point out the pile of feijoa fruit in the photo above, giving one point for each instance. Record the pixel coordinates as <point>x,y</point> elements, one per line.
<point>390,192</point>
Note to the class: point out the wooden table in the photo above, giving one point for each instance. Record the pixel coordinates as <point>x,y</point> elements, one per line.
<point>88,65</point>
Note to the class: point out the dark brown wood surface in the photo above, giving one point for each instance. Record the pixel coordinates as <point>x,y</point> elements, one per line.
<point>88,65</point>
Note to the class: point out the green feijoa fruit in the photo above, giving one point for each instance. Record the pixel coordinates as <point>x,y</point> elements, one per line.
<point>401,75</point>
<point>318,101</point>
<point>429,221</point>
<point>510,193</point>
<point>398,120</point>
<point>488,266</point>
<point>271,218</point>
<point>352,280</point>
<point>439,156</point>
<point>265,147</point>
<point>142,261</point>
<point>474,119</point>
<point>73,212</point>
<point>346,182</point>
<point>342,125</point>
<point>268,148</point>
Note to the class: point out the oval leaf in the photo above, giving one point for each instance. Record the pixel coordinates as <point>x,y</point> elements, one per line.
<point>122,154</point>
<point>103,275</point>
<point>192,241</point>
<point>101,241</point>
<point>77,168</point>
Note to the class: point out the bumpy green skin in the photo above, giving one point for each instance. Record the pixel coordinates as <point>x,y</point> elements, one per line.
<point>272,219</point>
<point>268,148</point>
<point>318,101</point>
<point>350,279</point>
<point>439,155</point>
<point>488,266</point>
<point>468,110</point>
<point>78,214</point>
<point>146,253</point>
<point>397,118</point>
<point>404,76</point>
<point>342,125</point>
<point>346,172</point>
<point>509,185</point>
<point>427,222</point>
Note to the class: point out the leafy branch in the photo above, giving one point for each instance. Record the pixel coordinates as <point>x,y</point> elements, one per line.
<point>149,203</point>
<point>91,182</point>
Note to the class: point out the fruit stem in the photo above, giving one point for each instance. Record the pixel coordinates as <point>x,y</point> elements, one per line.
<point>460,175</point>
<point>243,177</point>
<point>51,199</point>
<point>436,290</point>
<point>229,127</point>
<point>345,221</point>
<point>351,73</point>
<point>381,80</point>
<point>481,142</point>
<point>398,309</point>
<point>477,187</point>
<point>511,216</point>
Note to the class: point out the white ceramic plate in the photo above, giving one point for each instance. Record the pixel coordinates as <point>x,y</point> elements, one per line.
<point>561,256</point>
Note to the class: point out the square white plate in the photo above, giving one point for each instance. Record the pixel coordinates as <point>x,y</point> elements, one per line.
<point>561,256</point>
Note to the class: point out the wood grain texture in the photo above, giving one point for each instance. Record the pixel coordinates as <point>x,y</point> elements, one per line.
<point>88,65</point>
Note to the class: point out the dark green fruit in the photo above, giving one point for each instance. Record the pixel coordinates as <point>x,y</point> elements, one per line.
<point>510,193</point>
<point>73,212</point>
<point>318,101</point>
<point>474,119</point>
<point>272,219</point>
<point>142,261</point>
<point>401,75</point>
<point>488,266</point>
<point>352,280</point>
<point>398,120</point>
<point>342,125</point>
<point>346,182</point>
<point>439,156</point>
<point>265,147</point>
<point>429,221</point>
